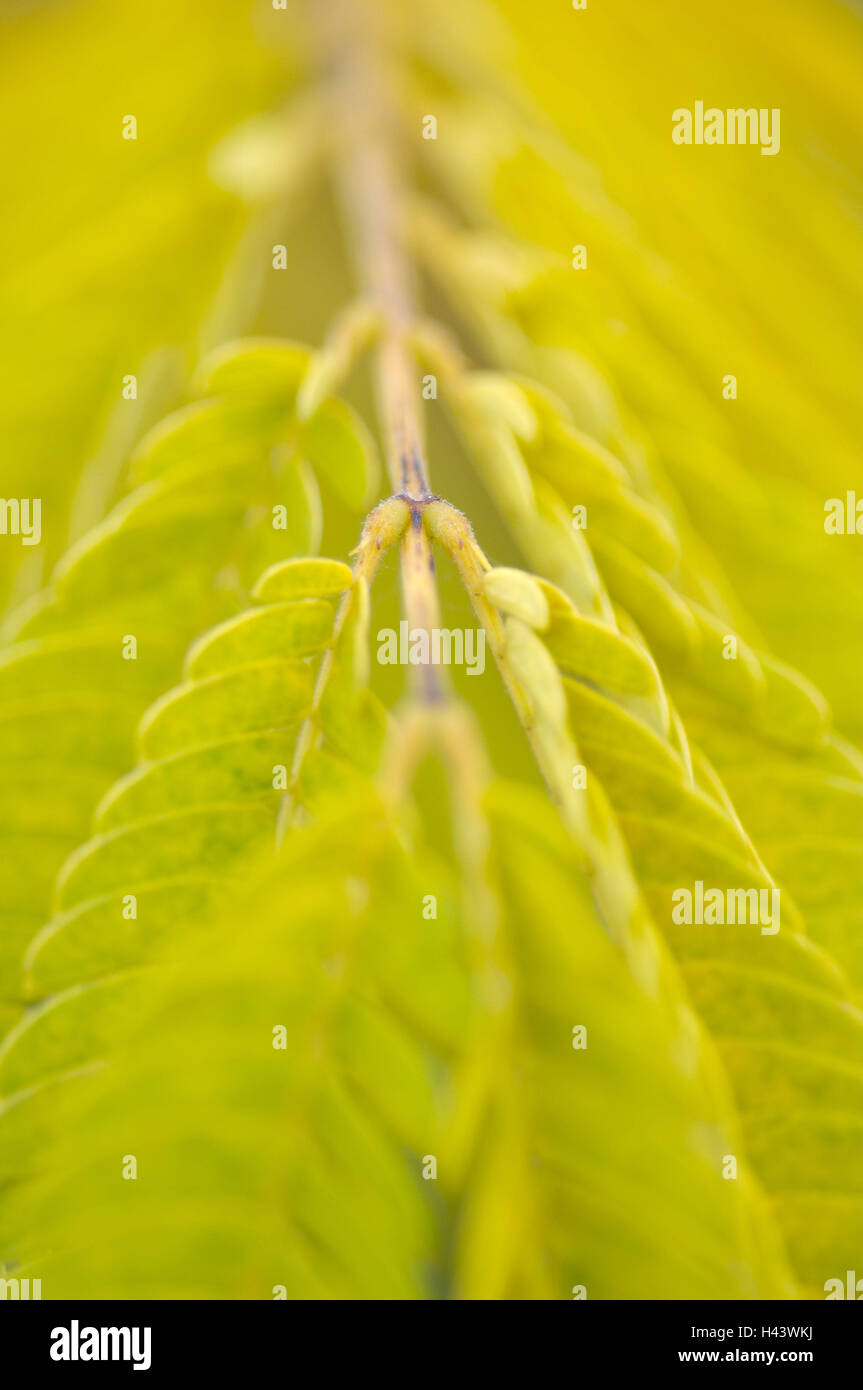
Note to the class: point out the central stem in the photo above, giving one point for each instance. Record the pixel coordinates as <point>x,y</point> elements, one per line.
<point>371,197</point>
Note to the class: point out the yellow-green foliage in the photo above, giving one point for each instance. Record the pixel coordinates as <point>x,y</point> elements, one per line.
<point>381,987</point>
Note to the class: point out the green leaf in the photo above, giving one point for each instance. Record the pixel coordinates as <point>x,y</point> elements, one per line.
<point>593,651</point>
<point>514,592</point>
<point>281,630</point>
<point>266,694</point>
<point>298,579</point>
<point>339,446</point>
<point>265,370</point>
<point>206,431</point>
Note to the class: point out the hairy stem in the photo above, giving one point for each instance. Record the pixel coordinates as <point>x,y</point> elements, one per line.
<point>384,525</point>
<point>371,195</point>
